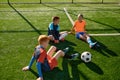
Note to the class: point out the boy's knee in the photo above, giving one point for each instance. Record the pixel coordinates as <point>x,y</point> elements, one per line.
<point>60,51</point>
<point>53,47</point>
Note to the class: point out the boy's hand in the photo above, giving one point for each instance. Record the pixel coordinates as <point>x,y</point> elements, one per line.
<point>25,68</point>
<point>40,78</point>
<point>72,31</point>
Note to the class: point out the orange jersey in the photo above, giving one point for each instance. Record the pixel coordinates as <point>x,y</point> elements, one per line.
<point>79,26</point>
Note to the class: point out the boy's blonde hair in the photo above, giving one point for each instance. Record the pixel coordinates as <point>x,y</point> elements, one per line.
<point>80,15</point>
<point>43,38</point>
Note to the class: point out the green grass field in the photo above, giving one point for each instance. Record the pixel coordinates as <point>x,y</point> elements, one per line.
<point>21,24</point>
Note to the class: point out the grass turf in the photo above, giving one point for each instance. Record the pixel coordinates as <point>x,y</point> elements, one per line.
<point>19,31</point>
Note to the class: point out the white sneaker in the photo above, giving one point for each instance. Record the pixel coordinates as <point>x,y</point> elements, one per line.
<point>93,45</point>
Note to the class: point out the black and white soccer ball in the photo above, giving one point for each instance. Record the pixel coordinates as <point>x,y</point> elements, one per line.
<point>86,56</point>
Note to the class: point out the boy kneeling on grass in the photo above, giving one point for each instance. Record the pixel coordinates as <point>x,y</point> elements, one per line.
<point>54,31</point>
<point>45,61</point>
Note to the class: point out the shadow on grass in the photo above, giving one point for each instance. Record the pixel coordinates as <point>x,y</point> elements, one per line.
<point>23,31</point>
<point>33,72</point>
<point>95,68</point>
<point>58,74</point>
<point>65,44</point>
<point>24,18</point>
<point>103,49</point>
<point>75,71</point>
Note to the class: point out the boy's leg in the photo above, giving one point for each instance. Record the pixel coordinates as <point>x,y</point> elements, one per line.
<point>60,53</point>
<point>89,41</point>
<point>83,38</point>
<point>63,35</point>
<point>51,51</point>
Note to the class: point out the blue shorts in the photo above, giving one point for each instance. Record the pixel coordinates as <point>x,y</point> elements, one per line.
<point>78,34</point>
<point>45,66</point>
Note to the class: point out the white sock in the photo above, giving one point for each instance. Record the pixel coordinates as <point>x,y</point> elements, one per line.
<point>63,35</point>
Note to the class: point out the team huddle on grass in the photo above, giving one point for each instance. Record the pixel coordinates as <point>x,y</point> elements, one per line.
<point>45,60</point>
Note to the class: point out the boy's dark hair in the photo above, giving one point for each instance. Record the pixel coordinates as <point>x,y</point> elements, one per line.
<point>55,18</point>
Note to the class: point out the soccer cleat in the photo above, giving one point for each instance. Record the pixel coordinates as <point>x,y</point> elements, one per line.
<point>74,56</point>
<point>66,50</point>
<point>93,44</point>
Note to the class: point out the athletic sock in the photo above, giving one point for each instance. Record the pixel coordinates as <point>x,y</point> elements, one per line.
<point>62,36</point>
<point>89,41</point>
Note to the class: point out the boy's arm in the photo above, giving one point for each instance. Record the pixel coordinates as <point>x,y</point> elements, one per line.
<point>30,64</point>
<point>31,61</point>
<point>72,29</point>
<point>38,65</point>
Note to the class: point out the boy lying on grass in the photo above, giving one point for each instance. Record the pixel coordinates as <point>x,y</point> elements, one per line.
<point>54,31</point>
<point>80,32</point>
<point>46,61</point>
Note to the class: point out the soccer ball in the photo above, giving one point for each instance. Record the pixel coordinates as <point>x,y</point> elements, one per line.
<point>86,56</point>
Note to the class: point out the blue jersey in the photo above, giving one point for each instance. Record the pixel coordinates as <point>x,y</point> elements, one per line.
<point>54,30</point>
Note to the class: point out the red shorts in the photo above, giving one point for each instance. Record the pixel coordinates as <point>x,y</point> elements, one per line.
<point>52,62</point>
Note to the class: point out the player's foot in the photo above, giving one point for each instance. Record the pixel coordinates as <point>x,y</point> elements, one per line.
<point>74,56</point>
<point>93,44</point>
<point>66,50</point>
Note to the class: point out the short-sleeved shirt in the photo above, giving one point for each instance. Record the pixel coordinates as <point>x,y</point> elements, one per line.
<point>79,26</point>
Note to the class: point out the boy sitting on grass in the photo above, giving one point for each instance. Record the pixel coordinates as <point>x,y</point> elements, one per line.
<point>79,28</point>
<point>54,31</point>
<point>45,61</point>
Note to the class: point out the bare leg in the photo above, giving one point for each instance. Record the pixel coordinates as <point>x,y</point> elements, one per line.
<point>51,51</point>
<point>60,53</point>
<point>83,38</point>
<point>86,35</point>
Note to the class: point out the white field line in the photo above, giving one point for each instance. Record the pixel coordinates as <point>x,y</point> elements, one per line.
<point>71,20</point>
<point>105,34</point>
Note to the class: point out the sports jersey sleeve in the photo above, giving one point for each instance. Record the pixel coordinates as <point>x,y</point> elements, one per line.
<point>84,23</point>
<point>51,26</point>
<point>38,65</point>
<point>31,61</point>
